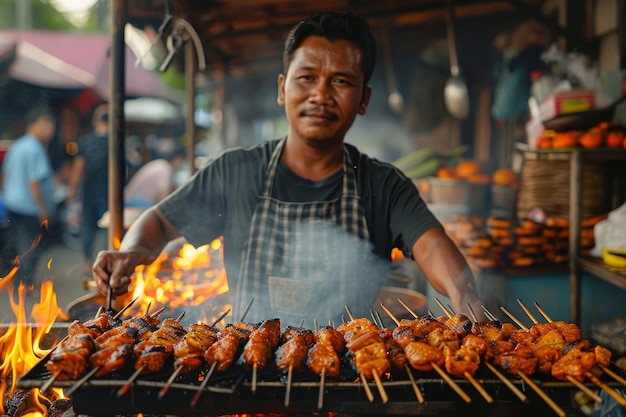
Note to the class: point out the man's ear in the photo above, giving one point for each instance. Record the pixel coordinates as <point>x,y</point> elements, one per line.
<point>367,94</point>
<point>281,90</point>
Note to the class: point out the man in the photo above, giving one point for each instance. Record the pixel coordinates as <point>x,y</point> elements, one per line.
<point>308,222</point>
<point>89,171</point>
<point>28,195</point>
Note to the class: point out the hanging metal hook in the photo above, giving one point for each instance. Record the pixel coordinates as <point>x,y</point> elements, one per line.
<point>182,32</point>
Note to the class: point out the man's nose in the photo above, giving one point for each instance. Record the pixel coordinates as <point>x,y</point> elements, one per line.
<point>322,92</point>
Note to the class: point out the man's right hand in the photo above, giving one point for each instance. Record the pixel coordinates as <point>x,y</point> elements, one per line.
<point>116,268</point>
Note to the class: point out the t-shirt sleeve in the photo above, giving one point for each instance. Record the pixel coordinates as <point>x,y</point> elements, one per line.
<point>197,208</point>
<point>410,216</point>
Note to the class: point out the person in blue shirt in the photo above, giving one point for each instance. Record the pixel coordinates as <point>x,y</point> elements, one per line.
<point>28,195</point>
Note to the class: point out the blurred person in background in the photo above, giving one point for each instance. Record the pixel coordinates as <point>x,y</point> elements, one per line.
<point>27,183</point>
<point>89,182</point>
<point>157,178</point>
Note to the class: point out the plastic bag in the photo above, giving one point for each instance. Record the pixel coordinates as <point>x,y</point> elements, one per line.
<point>610,233</point>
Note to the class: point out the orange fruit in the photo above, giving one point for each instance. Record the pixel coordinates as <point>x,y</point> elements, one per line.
<point>504,176</point>
<point>466,169</point>
<point>479,178</point>
<point>446,173</point>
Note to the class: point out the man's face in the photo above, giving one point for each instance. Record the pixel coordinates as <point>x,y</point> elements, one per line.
<point>45,128</point>
<point>322,91</point>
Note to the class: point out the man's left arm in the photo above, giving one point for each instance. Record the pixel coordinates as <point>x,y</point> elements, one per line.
<point>447,270</point>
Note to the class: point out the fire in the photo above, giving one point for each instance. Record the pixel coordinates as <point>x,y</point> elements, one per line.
<point>20,347</point>
<point>195,278</point>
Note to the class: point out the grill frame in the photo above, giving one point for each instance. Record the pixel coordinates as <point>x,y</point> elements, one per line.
<point>230,393</point>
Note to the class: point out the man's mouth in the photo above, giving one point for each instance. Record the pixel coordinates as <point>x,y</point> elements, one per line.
<point>320,115</point>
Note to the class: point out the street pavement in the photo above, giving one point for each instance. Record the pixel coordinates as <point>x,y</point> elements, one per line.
<point>61,264</point>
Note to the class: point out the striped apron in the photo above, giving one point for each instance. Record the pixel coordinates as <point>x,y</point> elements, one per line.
<point>307,260</point>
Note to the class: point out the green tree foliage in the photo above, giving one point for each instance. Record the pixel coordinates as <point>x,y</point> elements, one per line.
<point>44,16</point>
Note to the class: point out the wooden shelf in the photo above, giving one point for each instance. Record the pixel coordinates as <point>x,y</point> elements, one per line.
<point>596,267</point>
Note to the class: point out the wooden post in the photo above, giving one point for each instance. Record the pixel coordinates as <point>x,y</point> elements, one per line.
<point>575,219</point>
<point>190,91</point>
<point>117,92</point>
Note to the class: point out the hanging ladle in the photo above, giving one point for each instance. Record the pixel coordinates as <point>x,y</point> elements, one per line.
<point>395,99</point>
<point>455,93</point>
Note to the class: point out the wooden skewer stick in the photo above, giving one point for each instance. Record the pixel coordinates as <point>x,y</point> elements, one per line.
<point>523,398</point>
<point>543,313</point>
<point>602,367</point>
<point>205,381</point>
<point>126,307</point>
<point>255,369</point>
<point>129,383</point>
<point>46,386</point>
<point>488,398</point>
<point>558,410</point>
<point>571,379</point>
<point>109,297</point>
<point>381,388</point>
<point>613,375</point>
<point>366,387</point>
<point>440,371</point>
<point>288,389</point>
<point>584,389</point>
<point>320,395</point>
<point>158,312</point>
<point>443,308</point>
<point>379,384</point>
<point>407,308</point>
<point>416,388</point>
<point>170,381</point>
<point>614,394</point>
<point>489,314</point>
<point>527,311</point>
<point>472,313</point>
<point>451,382</point>
<point>515,319</point>
<point>79,383</point>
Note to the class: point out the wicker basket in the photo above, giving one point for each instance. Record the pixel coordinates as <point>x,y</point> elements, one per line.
<point>545,185</point>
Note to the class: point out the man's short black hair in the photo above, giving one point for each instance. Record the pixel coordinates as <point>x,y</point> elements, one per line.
<point>36,113</point>
<point>334,25</point>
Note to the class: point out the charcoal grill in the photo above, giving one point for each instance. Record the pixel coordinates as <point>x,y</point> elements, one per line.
<point>230,393</point>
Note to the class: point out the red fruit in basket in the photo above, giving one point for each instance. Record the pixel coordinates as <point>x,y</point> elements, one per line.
<point>614,139</point>
<point>591,139</point>
<point>466,169</point>
<point>446,173</point>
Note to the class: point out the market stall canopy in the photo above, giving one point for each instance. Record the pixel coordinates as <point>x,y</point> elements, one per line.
<point>62,60</point>
<point>246,36</point>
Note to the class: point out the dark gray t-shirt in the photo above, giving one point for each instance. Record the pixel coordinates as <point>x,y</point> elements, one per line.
<point>220,201</point>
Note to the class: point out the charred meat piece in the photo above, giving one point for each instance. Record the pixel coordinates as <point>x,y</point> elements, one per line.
<point>520,358</point>
<point>323,356</point>
<point>261,344</point>
<point>69,360</point>
<point>152,353</point>
<point>480,345</point>
<point>110,358</point>
<point>460,361</point>
<point>224,351</point>
<point>396,355</point>
<point>292,353</point>
<point>189,352</point>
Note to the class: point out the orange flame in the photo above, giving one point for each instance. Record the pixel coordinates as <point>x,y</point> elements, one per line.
<point>196,276</point>
<point>20,348</point>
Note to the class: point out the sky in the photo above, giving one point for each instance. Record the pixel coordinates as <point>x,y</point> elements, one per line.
<point>76,9</point>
